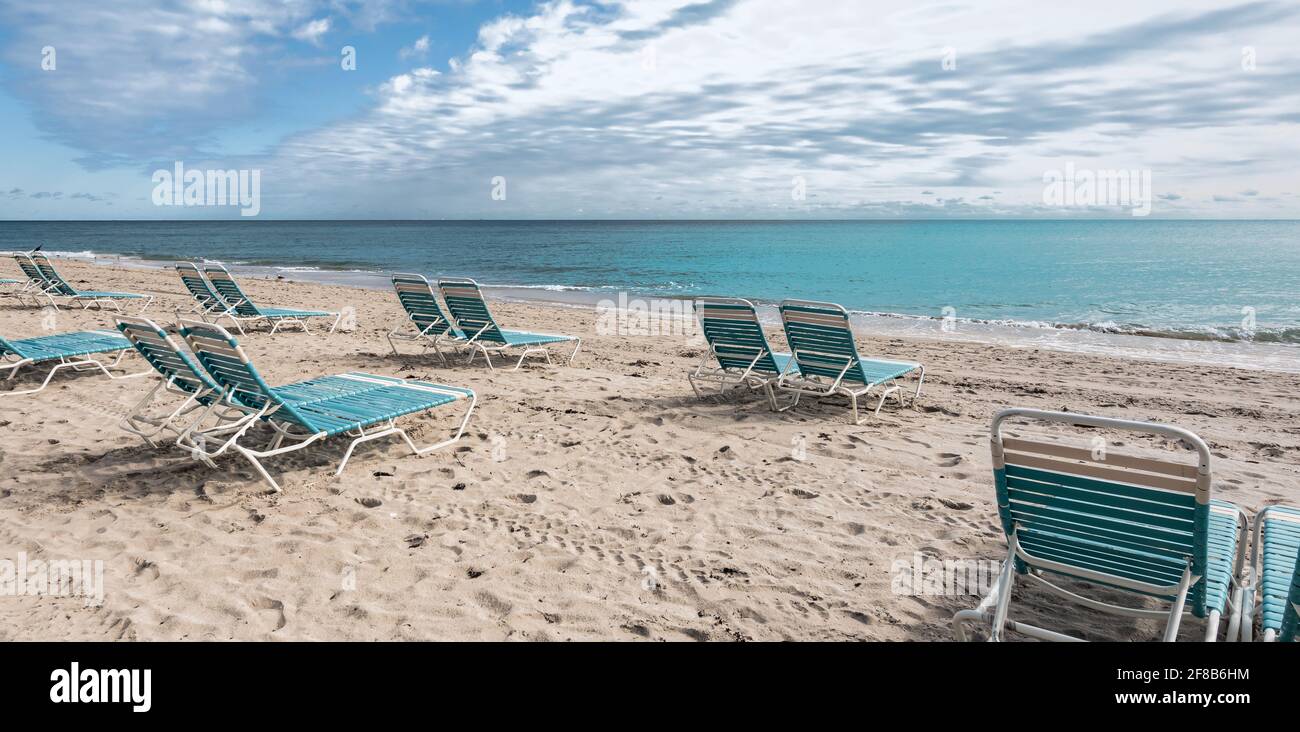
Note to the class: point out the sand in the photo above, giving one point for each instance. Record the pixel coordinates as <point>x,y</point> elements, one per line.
<point>601,501</point>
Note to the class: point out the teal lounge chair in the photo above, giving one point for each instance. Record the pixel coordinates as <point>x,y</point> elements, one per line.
<point>240,308</point>
<point>1276,567</point>
<point>827,359</point>
<point>1140,526</point>
<point>362,406</point>
<point>427,323</point>
<point>35,285</point>
<point>12,288</point>
<point>206,300</point>
<point>65,351</point>
<point>59,287</point>
<point>739,347</point>
<point>470,312</point>
<point>182,376</point>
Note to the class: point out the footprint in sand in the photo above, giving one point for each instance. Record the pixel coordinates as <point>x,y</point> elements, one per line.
<point>146,569</point>
<point>274,607</point>
<point>948,460</point>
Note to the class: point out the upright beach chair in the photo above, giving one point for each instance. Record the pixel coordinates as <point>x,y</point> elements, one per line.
<point>75,350</point>
<point>1275,567</point>
<point>207,301</point>
<point>425,320</point>
<point>738,346</point>
<point>59,287</point>
<point>1135,525</point>
<point>182,377</point>
<point>36,285</point>
<point>240,308</point>
<point>470,312</point>
<point>821,341</point>
<point>362,406</point>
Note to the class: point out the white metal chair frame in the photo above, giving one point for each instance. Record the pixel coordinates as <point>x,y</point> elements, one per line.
<point>11,363</point>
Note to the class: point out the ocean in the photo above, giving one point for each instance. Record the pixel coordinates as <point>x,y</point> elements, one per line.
<point>1213,291</point>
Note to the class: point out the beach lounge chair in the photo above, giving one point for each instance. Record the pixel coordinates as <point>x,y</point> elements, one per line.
<point>739,348</point>
<point>59,287</point>
<point>182,376</point>
<point>470,312</point>
<point>75,350</point>
<point>13,288</point>
<point>206,300</point>
<point>240,308</point>
<point>1275,566</point>
<point>425,321</point>
<point>35,285</point>
<point>1136,525</point>
<point>362,406</point>
<point>827,359</point>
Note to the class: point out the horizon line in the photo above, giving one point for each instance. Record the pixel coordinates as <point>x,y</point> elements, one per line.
<point>959,219</point>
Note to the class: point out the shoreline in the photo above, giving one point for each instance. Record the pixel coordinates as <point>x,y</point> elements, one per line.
<point>1168,348</point>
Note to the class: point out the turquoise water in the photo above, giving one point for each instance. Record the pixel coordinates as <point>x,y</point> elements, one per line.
<point>1187,279</point>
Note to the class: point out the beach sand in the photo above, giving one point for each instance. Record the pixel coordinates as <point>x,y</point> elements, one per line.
<point>593,502</point>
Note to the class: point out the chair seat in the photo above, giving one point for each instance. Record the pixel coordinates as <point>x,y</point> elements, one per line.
<point>320,389</point>
<point>1222,555</point>
<point>522,338</point>
<point>292,313</point>
<point>107,295</point>
<point>878,372</point>
<point>1280,536</point>
<point>336,404</point>
<point>67,345</point>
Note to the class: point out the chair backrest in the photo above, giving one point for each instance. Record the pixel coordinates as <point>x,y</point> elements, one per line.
<point>1131,522</point>
<point>821,340</point>
<point>29,269</point>
<point>421,305</point>
<point>167,356</point>
<point>732,329</point>
<point>1279,532</point>
<point>51,275</point>
<point>228,289</point>
<point>197,285</point>
<point>465,301</point>
<point>225,361</point>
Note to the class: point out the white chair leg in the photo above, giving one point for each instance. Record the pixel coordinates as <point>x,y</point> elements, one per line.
<point>1176,612</point>
<point>1212,624</point>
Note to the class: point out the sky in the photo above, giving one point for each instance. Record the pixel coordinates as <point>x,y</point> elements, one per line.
<point>653,109</point>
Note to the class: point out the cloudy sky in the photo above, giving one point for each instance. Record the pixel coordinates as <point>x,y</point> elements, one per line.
<point>648,109</point>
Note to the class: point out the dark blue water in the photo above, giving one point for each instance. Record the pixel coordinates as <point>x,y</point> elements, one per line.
<point>1221,279</point>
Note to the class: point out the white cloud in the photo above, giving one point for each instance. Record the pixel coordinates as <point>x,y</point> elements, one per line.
<point>419,49</point>
<point>313,31</point>
<point>669,107</point>
<point>710,107</point>
<point>140,79</point>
